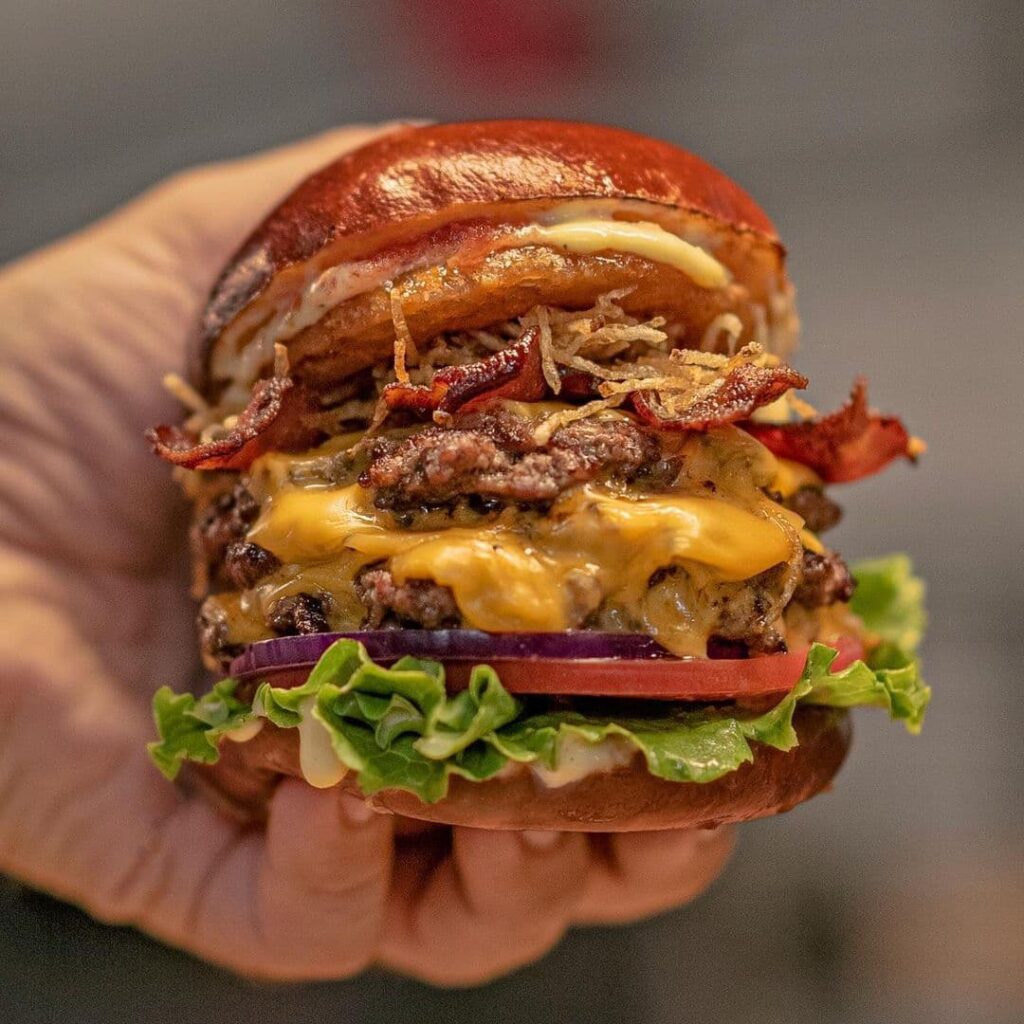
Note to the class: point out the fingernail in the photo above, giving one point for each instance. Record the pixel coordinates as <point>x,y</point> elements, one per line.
<point>356,809</point>
<point>540,840</point>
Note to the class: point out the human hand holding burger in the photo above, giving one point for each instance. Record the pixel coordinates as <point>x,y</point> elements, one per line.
<point>97,616</point>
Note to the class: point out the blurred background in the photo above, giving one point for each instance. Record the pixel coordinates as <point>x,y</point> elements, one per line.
<point>887,142</point>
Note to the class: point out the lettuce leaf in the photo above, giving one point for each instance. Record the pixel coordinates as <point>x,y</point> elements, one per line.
<point>398,728</point>
<point>890,679</point>
<point>890,600</point>
<point>189,727</point>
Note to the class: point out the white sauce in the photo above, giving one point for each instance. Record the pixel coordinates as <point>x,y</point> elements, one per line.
<point>244,733</point>
<point>641,238</point>
<point>317,759</point>
<point>577,759</point>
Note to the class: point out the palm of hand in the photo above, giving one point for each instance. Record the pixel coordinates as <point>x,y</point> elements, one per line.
<point>95,616</point>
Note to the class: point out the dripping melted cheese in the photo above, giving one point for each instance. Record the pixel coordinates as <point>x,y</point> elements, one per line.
<point>529,572</point>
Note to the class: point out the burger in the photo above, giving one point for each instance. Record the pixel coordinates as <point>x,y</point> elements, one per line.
<point>507,510</point>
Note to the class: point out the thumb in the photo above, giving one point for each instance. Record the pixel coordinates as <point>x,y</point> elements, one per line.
<point>199,217</point>
<point>322,883</point>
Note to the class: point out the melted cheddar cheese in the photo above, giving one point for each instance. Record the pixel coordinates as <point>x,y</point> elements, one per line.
<point>595,548</point>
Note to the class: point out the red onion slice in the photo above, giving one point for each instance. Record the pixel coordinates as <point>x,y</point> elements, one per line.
<point>449,645</point>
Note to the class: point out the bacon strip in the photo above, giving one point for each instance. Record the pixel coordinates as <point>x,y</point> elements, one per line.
<point>745,388</point>
<point>514,373</point>
<point>578,383</point>
<point>848,444</point>
<point>275,418</point>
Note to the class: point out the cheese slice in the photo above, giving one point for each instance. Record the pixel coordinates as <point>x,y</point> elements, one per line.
<point>524,578</point>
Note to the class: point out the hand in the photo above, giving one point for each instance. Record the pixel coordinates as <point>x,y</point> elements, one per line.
<point>95,615</point>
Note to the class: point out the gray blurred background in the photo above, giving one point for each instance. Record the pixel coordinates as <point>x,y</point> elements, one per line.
<point>886,141</point>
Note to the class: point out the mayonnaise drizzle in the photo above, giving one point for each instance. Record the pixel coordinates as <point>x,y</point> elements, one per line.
<point>246,732</point>
<point>317,759</point>
<point>578,758</point>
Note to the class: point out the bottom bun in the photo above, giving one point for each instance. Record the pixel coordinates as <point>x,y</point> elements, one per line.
<point>626,799</point>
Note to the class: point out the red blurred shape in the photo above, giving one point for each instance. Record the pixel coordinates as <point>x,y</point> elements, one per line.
<point>503,45</point>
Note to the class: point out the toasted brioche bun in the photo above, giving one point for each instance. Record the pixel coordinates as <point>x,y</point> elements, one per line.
<point>626,799</point>
<point>431,210</point>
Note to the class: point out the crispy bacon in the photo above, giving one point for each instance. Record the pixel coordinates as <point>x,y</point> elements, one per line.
<point>514,372</point>
<point>848,444</point>
<point>578,383</point>
<point>275,418</point>
<point>745,388</point>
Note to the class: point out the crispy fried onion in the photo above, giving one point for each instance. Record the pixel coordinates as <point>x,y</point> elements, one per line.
<point>606,355</point>
<point>589,342</point>
<point>601,354</point>
<point>697,390</point>
<point>848,444</point>
<point>515,372</point>
<point>280,415</point>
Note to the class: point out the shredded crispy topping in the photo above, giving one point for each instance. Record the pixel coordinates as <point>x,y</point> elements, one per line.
<point>728,324</point>
<point>405,347</point>
<point>608,356</point>
<point>185,393</point>
<point>602,357</point>
<point>547,427</point>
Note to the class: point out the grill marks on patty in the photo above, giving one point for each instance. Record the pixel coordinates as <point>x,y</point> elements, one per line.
<point>214,636</point>
<point>298,615</point>
<point>494,457</point>
<point>246,564</point>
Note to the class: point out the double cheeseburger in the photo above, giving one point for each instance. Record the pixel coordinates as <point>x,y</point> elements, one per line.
<point>507,510</point>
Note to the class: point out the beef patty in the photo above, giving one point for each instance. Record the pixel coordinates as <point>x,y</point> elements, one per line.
<point>494,456</point>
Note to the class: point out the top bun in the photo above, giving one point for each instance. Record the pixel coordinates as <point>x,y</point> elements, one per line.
<point>443,191</point>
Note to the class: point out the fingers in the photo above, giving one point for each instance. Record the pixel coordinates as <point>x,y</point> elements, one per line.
<point>301,901</point>
<point>634,874</point>
<point>322,884</point>
<point>496,901</point>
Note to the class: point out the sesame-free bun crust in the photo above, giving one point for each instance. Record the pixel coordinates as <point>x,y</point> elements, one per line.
<point>627,799</point>
<point>447,191</point>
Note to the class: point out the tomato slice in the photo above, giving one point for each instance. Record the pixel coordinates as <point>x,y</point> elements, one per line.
<point>696,679</point>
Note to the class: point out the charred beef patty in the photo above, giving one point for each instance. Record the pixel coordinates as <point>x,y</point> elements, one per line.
<point>825,580</point>
<point>494,456</point>
<point>818,511</point>
<point>225,521</point>
<point>298,615</point>
<point>418,603</point>
<point>246,564</point>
